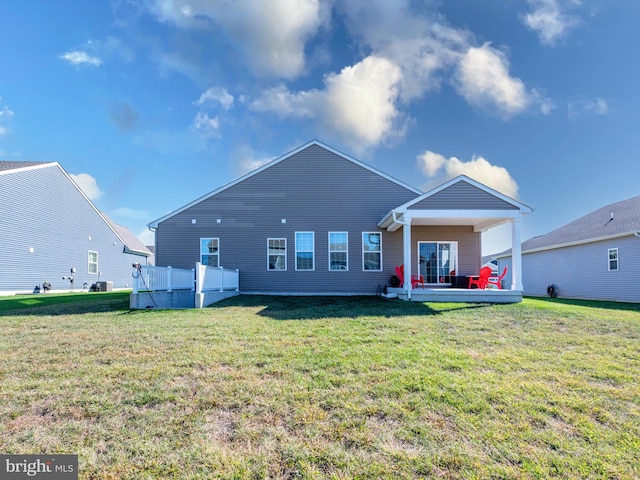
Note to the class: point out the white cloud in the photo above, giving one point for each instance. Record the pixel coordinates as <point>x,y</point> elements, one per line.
<point>478,168</point>
<point>483,80</point>
<point>88,185</point>
<point>596,106</point>
<point>78,58</point>
<point>358,104</point>
<point>549,21</point>
<point>5,112</point>
<point>271,35</point>
<point>428,52</point>
<point>214,95</point>
<point>245,160</point>
<point>5,115</point>
<point>206,125</point>
<point>147,237</point>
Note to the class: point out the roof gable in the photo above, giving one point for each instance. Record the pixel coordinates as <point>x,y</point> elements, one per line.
<point>617,219</point>
<point>464,193</point>
<point>274,163</point>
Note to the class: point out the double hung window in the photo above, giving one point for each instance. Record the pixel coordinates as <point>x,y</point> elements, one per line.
<point>210,251</point>
<point>93,262</point>
<point>276,254</point>
<point>613,259</point>
<point>305,251</point>
<point>372,251</point>
<point>338,251</point>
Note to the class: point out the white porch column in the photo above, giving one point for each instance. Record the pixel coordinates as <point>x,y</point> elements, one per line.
<point>516,254</point>
<point>406,256</point>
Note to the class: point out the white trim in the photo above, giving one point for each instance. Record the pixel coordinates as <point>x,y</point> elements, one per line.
<point>154,224</point>
<point>346,252</point>
<point>89,263</point>
<point>313,251</point>
<point>269,254</point>
<point>373,251</point>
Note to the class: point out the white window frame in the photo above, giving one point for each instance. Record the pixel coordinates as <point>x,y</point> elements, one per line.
<point>438,243</point>
<point>616,259</point>
<point>345,251</point>
<point>89,263</point>
<point>269,254</point>
<point>202,253</point>
<point>379,234</point>
<point>313,252</point>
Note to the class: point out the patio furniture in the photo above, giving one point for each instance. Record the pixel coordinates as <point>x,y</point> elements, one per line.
<point>415,279</point>
<point>481,281</point>
<point>498,280</point>
<point>400,274</point>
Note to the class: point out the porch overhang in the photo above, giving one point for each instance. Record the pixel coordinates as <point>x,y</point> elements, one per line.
<point>480,220</point>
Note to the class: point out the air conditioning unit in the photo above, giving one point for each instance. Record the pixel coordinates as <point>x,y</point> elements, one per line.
<point>104,286</point>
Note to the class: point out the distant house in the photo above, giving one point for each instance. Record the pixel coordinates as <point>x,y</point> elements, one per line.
<point>48,226</point>
<point>316,221</point>
<point>595,257</point>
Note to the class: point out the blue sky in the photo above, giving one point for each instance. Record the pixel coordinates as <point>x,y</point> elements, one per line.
<point>151,104</point>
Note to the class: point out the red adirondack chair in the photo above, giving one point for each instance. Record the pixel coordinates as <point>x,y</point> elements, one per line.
<point>481,281</point>
<point>498,280</point>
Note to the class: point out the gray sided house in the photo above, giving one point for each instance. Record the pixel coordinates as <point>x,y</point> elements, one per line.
<point>48,226</point>
<point>594,257</point>
<point>316,221</point>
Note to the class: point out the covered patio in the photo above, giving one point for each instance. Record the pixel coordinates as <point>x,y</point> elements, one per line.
<point>465,204</point>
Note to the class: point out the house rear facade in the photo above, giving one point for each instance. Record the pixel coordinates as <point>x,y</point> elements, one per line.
<point>313,222</point>
<point>48,226</point>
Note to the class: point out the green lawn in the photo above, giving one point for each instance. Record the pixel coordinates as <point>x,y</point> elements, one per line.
<point>272,387</point>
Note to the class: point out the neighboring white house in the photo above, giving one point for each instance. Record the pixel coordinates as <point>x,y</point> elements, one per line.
<point>594,257</point>
<point>48,227</point>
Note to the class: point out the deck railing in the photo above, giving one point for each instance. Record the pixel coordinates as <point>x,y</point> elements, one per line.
<point>216,278</point>
<point>201,279</point>
<point>155,279</point>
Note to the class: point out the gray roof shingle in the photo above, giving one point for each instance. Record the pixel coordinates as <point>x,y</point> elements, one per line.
<point>615,219</point>
<point>5,166</point>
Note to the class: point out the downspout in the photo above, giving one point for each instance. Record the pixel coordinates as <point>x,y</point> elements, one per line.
<point>407,268</point>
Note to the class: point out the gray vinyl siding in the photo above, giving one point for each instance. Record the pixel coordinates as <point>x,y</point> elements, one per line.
<point>41,209</point>
<point>462,196</point>
<point>581,271</point>
<point>314,190</point>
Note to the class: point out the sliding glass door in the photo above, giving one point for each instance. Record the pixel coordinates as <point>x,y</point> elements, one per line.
<point>437,261</point>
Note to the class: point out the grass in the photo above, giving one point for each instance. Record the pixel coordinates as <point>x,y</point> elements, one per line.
<point>273,387</point>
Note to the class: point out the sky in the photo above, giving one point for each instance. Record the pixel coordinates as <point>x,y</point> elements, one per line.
<point>151,104</point>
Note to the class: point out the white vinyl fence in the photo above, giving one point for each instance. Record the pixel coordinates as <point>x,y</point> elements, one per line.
<point>158,279</point>
<point>201,279</point>
<point>216,278</point>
